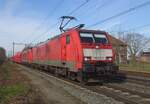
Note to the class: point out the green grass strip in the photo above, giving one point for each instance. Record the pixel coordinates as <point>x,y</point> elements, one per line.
<point>6,92</point>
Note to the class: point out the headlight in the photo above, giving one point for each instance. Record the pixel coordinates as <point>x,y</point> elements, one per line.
<point>97,47</point>
<point>87,58</point>
<point>109,58</point>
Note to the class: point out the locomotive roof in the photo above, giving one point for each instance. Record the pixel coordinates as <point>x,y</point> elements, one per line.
<point>91,31</point>
<point>80,30</point>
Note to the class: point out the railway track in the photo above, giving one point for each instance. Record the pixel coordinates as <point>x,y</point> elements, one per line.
<point>136,73</point>
<point>120,92</point>
<point>132,77</point>
<point>138,80</point>
<point>121,95</point>
<point>133,89</point>
<point>126,92</point>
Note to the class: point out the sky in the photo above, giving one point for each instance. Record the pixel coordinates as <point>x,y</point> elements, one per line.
<point>33,21</point>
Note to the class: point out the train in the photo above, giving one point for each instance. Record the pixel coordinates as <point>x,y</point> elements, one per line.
<point>79,54</point>
<point>2,55</point>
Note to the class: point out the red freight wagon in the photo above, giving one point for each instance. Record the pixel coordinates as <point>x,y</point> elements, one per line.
<point>77,53</point>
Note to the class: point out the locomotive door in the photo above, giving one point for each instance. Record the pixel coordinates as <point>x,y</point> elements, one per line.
<point>63,49</point>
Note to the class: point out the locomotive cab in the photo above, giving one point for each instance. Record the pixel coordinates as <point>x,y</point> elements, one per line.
<point>96,47</point>
<point>98,54</point>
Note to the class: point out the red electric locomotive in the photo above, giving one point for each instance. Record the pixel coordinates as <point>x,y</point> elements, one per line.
<point>77,53</point>
<point>27,55</point>
<point>17,58</point>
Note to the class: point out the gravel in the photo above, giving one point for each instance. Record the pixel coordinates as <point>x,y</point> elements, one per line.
<point>78,92</point>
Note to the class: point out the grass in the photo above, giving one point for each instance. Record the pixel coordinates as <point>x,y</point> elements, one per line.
<point>7,92</point>
<point>5,72</point>
<point>145,67</point>
<point>13,85</point>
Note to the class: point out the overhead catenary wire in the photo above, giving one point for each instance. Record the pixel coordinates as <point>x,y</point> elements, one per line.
<point>138,27</point>
<point>50,14</point>
<point>134,28</point>
<point>120,14</point>
<point>78,7</point>
<point>47,30</point>
<point>96,8</point>
<point>70,13</point>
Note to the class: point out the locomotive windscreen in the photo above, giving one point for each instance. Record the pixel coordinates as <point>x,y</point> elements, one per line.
<point>93,38</point>
<point>86,37</point>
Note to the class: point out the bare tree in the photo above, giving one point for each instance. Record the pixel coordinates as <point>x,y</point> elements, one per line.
<point>135,42</point>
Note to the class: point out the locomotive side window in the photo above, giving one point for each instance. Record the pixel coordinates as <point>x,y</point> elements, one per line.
<point>67,39</point>
<point>86,37</point>
<point>100,38</point>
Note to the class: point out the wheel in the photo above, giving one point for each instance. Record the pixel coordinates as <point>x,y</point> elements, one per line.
<point>71,76</point>
<point>56,73</point>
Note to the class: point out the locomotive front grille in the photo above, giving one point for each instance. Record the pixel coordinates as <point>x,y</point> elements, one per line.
<point>98,54</point>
